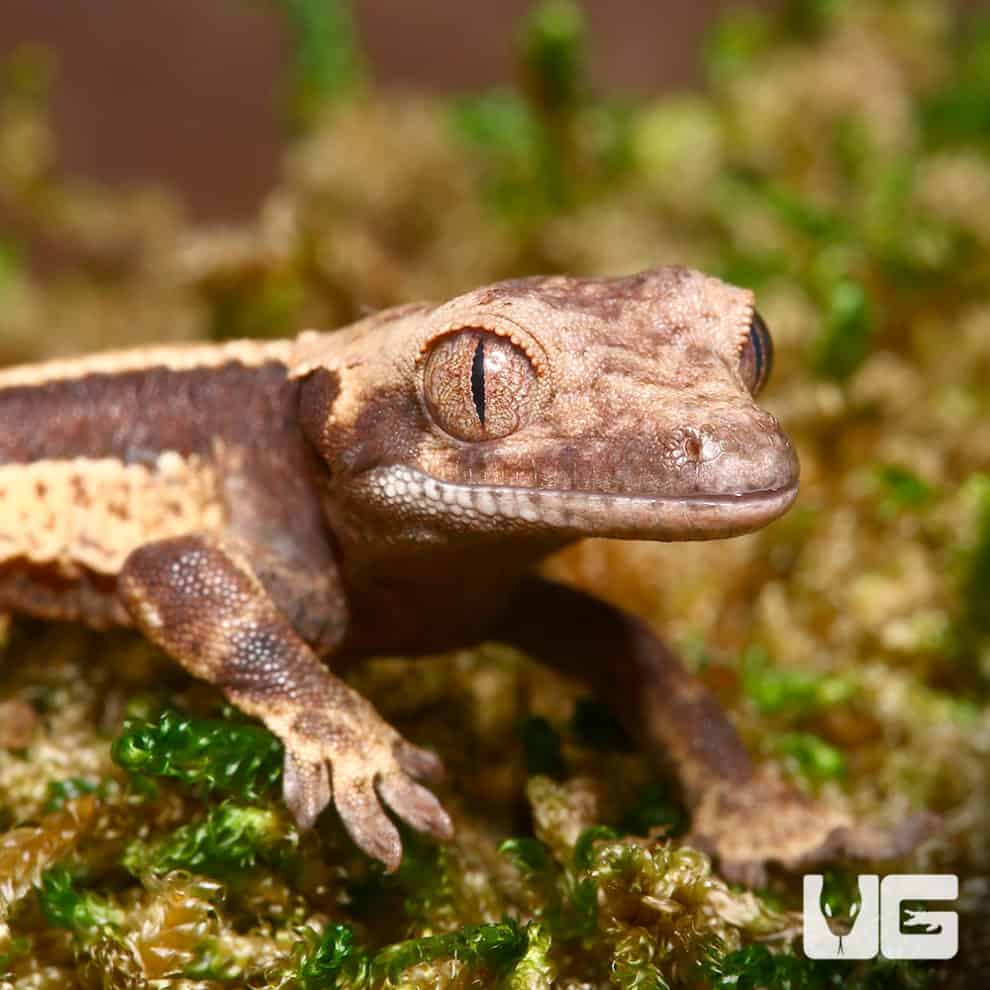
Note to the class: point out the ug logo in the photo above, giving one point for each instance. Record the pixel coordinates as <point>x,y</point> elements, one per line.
<point>876,925</point>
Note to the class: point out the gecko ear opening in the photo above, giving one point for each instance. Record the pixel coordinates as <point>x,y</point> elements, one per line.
<point>478,385</point>
<point>317,397</point>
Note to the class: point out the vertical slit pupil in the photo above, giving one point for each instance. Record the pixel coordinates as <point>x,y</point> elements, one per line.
<point>478,380</point>
<point>754,334</point>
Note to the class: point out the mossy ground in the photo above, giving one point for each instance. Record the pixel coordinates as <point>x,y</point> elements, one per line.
<point>838,161</point>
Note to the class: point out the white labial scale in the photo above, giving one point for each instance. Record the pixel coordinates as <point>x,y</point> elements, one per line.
<point>593,512</point>
<point>485,503</point>
<point>527,509</point>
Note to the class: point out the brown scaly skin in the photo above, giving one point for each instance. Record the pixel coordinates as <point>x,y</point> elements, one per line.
<point>257,509</point>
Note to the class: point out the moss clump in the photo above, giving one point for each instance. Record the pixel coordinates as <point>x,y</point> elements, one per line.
<point>208,755</point>
<point>80,912</point>
<point>500,953</point>
<point>755,967</point>
<point>231,839</point>
<point>327,64</point>
<point>777,691</point>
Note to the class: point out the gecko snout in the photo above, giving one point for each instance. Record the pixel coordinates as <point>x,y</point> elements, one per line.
<point>745,461</point>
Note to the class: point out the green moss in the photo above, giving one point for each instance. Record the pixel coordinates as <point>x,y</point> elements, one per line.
<point>65,906</point>
<point>632,966</point>
<point>846,338</point>
<point>584,848</point>
<point>491,951</point>
<point>527,854</point>
<point>231,839</point>
<point>901,490</point>
<point>327,63</point>
<point>790,692</point>
<point>208,755</point>
<point>815,759</point>
<point>735,43</point>
<point>808,216</point>
<point>428,879</point>
<point>14,949</point>
<point>62,791</point>
<point>553,54</point>
<point>212,963</point>
<point>332,960</point>
<point>959,112</point>
<point>268,305</point>
<point>568,894</point>
<point>535,970</point>
<point>756,967</point>
<point>541,150</point>
<point>428,890</point>
<point>520,168</point>
<point>494,948</point>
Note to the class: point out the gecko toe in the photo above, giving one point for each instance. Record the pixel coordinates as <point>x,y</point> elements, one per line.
<point>416,805</point>
<point>423,764</point>
<point>306,788</point>
<point>871,842</point>
<point>365,820</point>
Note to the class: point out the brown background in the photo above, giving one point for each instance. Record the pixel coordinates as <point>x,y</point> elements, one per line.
<point>185,90</point>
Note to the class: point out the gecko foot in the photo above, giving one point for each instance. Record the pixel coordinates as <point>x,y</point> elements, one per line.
<point>352,757</point>
<point>767,821</point>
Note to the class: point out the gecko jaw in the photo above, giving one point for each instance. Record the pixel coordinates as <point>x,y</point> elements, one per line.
<point>506,509</point>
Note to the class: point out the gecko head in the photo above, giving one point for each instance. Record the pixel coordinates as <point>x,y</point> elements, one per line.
<point>557,406</point>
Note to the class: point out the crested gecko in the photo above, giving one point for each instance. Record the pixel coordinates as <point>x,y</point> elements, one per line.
<point>267,512</point>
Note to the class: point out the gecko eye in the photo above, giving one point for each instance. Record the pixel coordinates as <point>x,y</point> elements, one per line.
<point>478,385</point>
<point>756,360</point>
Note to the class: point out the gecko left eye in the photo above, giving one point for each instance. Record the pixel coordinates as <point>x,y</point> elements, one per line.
<point>478,385</point>
<point>756,359</point>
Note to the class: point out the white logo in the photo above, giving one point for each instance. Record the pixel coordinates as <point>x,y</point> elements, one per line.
<point>876,924</point>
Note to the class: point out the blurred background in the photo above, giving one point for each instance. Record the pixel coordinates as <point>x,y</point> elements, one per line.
<point>181,91</point>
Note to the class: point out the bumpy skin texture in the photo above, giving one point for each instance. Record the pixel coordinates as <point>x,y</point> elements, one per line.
<point>259,509</point>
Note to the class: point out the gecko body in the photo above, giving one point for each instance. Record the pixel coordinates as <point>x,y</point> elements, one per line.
<point>267,512</point>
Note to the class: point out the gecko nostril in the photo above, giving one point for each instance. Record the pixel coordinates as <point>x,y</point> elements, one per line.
<point>692,447</point>
<point>768,423</point>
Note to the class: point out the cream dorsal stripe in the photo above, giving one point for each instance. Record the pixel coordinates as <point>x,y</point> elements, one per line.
<point>187,357</point>
<point>89,514</point>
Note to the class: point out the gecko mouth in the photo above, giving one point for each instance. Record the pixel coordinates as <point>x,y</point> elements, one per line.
<point>498,508</point>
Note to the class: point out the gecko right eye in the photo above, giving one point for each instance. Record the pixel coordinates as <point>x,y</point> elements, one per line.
<point>478,385</point>
<point>756,359</point>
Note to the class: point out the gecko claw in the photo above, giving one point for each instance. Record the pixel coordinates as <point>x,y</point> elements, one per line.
<point>416,805</point>
<point>306,789</point>
<point>346,754</point>
<point>423,764</point>
<point>366,822</point>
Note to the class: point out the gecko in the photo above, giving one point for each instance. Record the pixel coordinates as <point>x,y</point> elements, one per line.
<point>270,512</point>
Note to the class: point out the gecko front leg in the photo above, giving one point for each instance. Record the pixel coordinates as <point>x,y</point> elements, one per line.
<point>203,604</point>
